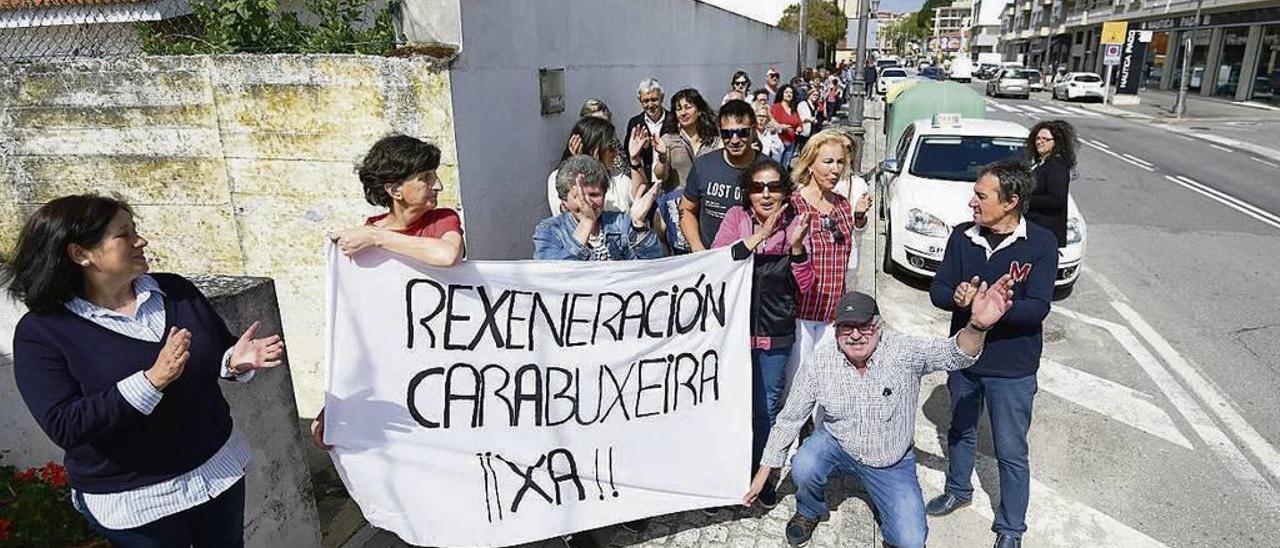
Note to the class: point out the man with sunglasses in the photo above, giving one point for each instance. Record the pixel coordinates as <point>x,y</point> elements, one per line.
<point>772,80</point>
<point>712,187</point>
<point>867,379</point>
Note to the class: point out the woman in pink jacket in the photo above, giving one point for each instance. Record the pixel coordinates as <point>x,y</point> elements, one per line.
<point>762,225</point>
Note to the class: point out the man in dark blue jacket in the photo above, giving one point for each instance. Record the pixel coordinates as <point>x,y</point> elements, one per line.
<point>1000,241</point>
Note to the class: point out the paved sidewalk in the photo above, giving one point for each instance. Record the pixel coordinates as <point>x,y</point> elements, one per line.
<point>1157,106</point>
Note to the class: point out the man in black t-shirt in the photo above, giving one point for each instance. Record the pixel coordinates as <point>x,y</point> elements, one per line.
<point>712,187</point>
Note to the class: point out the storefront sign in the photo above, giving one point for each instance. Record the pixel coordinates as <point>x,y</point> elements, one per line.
<point>1113,32</point>
<point>1265,15</point>
<point>1131,60</point>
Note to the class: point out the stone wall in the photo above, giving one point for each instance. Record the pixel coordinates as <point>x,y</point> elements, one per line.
<point>236,164</point>
<point>280,509</point>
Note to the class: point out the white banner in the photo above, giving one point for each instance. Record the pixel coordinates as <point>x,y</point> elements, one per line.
<point>496,403</point>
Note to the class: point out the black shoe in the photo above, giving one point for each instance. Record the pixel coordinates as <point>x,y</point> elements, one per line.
<point>944,504</point>
<point>768,499</point>
<point>636,526</point>
<point>800,530</point>
<point>579,540</point>
<point>1006,541</point>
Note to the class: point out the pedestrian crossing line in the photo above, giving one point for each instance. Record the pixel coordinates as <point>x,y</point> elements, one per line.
<point>1113,400</point>
<point>1056,519</point>
<point>1055,110</point>
<point>1229,455</point>
<point>1082,112</point>
<point>1001,106</point>
<point>1030,108</point>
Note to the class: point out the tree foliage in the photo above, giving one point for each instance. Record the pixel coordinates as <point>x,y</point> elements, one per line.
<point>826,23</point>
<point>258,26</point>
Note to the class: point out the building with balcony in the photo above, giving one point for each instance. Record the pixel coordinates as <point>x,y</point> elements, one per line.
<point>1234,51</point>
<point>950,28</point>
<point>985,28</point>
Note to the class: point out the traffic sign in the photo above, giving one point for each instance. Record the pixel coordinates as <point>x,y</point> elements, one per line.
<point>1114,32</point>
<point>1112,55</point>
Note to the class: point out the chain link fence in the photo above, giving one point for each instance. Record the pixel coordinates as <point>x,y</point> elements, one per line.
<point>53,29</point>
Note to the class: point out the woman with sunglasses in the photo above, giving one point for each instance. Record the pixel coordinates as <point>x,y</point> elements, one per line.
<point>740,83</point>
<point>762,225</point>
<point>819,168</point>
<point>1052,150</point>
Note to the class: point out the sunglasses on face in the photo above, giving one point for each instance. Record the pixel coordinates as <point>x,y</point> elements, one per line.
<point>760,186</point>
<point>773,76</point>
<point>742,83</point>
<point>741,133</point>
<point>830,225</point>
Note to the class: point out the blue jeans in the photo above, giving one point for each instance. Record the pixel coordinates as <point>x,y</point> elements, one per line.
<point>218,523</point>
<point>1009,406</point>
<point>768,379</point>
<point>894,490</point>
<point>788,152</point>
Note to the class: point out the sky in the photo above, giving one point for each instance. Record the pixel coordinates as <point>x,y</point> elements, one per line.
<point>770,11</point>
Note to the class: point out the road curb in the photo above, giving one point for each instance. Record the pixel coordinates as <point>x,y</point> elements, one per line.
<point>1171,127</point>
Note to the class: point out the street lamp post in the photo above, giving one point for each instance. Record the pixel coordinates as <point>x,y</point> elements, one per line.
<point>803,51</point>
<point>1180,107</point>
<point>865,8</point>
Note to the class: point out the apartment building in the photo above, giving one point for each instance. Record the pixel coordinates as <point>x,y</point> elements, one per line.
<point>1234,51</point>
<point>951,27</point>
<point>985,26</point>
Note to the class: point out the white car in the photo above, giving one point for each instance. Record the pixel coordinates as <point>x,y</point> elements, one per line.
<point>927,184</point>
<point>888,77</point>
<point>1079,85</point>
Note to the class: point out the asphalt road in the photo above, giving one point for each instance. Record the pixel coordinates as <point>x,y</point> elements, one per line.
<point>1155,424</point>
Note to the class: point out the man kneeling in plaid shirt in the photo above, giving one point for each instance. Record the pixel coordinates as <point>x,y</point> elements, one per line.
<point>867,379</point>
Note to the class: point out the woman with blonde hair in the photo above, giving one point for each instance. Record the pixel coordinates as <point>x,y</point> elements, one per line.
<point>819,168</point>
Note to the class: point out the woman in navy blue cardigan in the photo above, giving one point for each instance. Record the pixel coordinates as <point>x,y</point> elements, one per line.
<point>120,368</point>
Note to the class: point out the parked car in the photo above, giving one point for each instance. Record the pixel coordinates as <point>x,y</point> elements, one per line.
<point>961,69</point>
<point>932,73</point>
<point>888,77</point>
<point>1010,82</point>
<point>928,182</point>
<point>885,62</point>
<point>1035,81</point>
<point>1079,85</point>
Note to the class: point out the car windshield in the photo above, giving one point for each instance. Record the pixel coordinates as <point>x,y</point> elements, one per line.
<point>1088,78</point>
<point>958,158</point>
<point>895,73</point>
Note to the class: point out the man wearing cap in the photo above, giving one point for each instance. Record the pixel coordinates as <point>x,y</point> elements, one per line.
<point>867,379</point>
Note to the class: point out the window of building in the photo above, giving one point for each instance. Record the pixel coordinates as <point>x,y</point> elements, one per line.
<point>1266,80</point>
<point>1231,61</point>
<point>1199,53</point>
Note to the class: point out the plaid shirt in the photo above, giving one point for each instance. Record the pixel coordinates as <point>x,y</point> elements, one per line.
<point>872,415</point>
<point>829,243</point>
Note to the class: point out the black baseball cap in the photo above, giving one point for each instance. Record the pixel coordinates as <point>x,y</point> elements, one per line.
<point>856,307</point>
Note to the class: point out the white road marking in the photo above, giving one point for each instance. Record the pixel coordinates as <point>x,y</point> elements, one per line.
<point>1227,200</point>
<point>1106,150</point>
<point>1229,456</point>
<point>1056,519</point>
<point>1220,147</point>
<point>1214,399</point>
<point>1114,400</point>
<point>1032,109</point>
<point>1082,112</point>
<point>1055,110</point>
<point>1261,161</point>
<point>1098,143</point>
<point>1002,106</point>
<point>1137,159</point>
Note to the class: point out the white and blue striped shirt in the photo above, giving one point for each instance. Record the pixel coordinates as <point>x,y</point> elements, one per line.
<point>143,505</point>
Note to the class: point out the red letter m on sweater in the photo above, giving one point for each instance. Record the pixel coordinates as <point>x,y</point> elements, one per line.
<point>1019,271</point>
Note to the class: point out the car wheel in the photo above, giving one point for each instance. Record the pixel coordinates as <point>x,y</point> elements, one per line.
<point>887,265</point>
<point>1063,292</point>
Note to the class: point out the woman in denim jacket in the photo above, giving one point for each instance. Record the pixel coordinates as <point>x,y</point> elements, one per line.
<point>585,231</point>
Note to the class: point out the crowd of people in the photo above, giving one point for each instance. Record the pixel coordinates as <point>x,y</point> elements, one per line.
<point>765,174</point>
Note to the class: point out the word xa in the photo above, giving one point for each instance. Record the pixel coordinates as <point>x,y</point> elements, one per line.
<point>553,479</point>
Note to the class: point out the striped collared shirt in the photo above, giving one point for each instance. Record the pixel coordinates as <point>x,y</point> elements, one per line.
<point>872,415</point>
<point>143,505</point>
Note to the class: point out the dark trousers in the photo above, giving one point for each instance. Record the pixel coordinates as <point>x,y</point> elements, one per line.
<point>1008,403</point>
<point>768,380</point>
<point>218,523</point>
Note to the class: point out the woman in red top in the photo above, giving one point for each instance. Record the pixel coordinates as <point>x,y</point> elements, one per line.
<point>788,120</point>
<point>399,173</point>
<point>819,168</point>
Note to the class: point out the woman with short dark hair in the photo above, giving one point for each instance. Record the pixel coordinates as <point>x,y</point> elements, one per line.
<point>399,173</point>
<point>120,368</point>
<point>762,226</point>
<point>1051,148</point>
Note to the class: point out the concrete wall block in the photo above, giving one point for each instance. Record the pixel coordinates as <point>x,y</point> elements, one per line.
<point>293,69</point>
<point>299,108</point>
<point>285,179</point>
<point>106,88</point>
<point>187,238</point>
<point>161,142</point>
<point>350,145</point>
<point>199,115</point>
<point>143,180</point>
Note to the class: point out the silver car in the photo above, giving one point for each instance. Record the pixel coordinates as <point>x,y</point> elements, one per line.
<point>1010,82</point>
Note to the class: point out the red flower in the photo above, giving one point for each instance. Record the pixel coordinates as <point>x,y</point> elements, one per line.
<point>53,474</point>
<point>25,475</point>
<point>4,529</point>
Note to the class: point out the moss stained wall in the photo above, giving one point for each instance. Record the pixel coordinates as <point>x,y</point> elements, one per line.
<point>236,164</point>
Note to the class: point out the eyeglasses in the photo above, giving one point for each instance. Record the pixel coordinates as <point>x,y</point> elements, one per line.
<point>866,328</point>
<point>743,83</point>
<point>741,133</point>
<point>760,186</point>
<point>830,225</point>
<point>773,76</point>
<point>1044,139</point>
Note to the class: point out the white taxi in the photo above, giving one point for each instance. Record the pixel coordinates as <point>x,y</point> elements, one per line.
<point>928,180</point>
